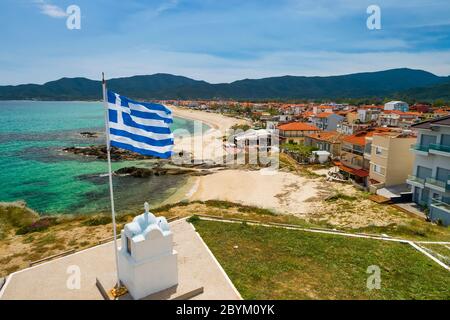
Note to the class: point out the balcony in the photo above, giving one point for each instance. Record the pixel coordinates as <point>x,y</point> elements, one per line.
<point>415,181</point>
<point>421,149</point>
<point>442,186</point>
<point>352,150</point>
<point>440,149</point>
<point>440,211</point>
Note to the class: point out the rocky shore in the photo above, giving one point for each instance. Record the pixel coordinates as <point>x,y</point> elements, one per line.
<point>89,134</point>
<point>159,171</point>
<point>99,152</point>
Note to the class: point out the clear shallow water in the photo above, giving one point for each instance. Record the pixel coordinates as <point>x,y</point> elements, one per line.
<point>34,168</point>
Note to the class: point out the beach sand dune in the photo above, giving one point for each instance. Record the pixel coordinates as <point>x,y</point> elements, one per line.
<point>282,192</point>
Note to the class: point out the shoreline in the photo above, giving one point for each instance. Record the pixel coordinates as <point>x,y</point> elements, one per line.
<point>218,124</point>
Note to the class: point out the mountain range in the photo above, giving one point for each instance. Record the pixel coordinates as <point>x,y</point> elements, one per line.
<point>409,84</point>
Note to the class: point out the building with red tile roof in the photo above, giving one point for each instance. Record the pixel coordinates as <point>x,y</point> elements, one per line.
<point>353,162</point>
<point>400,119</point>
<point>327,141</point>
<point>297,126</point>
<point>295,132</point>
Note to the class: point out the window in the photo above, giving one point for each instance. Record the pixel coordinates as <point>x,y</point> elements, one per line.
<point>442,174</point>
<point>445,140</point>
<point>427,139</point>
<point>356,161</point>
<point>377,169</point>
<point>368,148</point>
<point>423,172</point>
<point>378,150</point>
<point>129,246</point>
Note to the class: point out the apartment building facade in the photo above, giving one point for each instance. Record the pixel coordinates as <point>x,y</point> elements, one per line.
<point>396,105</point>
<point>327,121</point>
<point>390,158</point>
<point>352,163</point>
<point>430,178</point>
<point>368,114</point>
<point>398,119</point>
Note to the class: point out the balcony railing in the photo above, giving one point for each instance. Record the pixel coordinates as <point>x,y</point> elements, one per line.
<point>420,147</point>
<point>347,149</point>
<point>438,183</point>
<point>440,147</point>
<point>416,179</point>
<point>440,205</point>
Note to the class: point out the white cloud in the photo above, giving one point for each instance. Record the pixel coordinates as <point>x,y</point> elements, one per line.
<point>50,9</point>
<point>167,5</point>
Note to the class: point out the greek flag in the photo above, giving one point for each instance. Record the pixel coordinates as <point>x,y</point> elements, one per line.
<point>139,127</point>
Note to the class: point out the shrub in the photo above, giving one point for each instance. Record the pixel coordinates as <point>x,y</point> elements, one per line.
<point>243,127</point>
<point>250,209</point>
<point>37,226</point>
<point>342,196</point>
<point>193,219</point>
<point>220,204</point>
<point>167,207</point>
<point>97,221</point>
<point>14,215</point>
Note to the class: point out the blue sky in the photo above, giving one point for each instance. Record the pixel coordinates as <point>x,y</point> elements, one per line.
<point>218,40</point>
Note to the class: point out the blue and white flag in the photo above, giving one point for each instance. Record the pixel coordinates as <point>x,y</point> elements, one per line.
<point>140,127</point>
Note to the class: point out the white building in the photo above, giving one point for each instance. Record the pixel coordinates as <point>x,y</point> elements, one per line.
<point>397,105</point>
<point>430,179</point>
<point>327,121</point>
<point>256,138</point>
<point>147,260</point>
<point>366,115</point>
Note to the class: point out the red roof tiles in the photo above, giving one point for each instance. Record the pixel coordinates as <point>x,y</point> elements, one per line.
<point>298,126</point>
<point>324,114</point>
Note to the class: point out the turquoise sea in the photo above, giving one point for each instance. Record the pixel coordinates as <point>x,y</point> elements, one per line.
<point>34,168</point>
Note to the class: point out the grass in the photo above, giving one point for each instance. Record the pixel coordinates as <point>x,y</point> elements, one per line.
<point>219,204</point>
<point>97,221</point>
<point>414,230</point>
<point>14,216</point>
<point>442,252</point>
<point>290,164</point>
<point>341,196</point>
<point>75,231</point>
<point>272,263</point>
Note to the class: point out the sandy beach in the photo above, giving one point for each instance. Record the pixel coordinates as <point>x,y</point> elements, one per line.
<point>206,146</point>
<point>282,192</point>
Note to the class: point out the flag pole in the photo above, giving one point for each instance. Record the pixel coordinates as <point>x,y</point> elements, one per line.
<point>111,192</point>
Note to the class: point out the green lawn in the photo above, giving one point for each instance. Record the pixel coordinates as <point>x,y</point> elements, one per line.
<point>272,263</point>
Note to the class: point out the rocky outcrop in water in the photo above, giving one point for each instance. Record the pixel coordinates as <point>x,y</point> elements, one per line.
<point>158,171</point>
<point>99,152</point>
<point>88,134</point>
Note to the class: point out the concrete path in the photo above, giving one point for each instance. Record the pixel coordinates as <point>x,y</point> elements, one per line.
<point>48,281</point>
